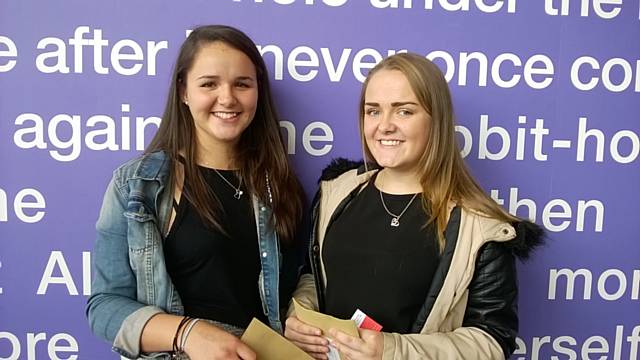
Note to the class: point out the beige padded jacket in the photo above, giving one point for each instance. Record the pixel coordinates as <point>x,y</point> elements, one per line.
<point>442,336</point>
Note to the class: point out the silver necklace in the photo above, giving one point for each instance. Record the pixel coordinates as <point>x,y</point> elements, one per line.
<point>395,219</point>
<point>239,192</point>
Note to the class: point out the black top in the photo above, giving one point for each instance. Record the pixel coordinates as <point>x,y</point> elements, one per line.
<point>215,274</point>
<point>384,271</point>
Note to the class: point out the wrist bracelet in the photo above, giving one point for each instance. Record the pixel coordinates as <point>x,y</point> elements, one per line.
<point>175,348</point>
<point>186,333</point>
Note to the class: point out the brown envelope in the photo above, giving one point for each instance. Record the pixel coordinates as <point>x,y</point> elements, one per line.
<point>324,322</point>
<point>269,345</point>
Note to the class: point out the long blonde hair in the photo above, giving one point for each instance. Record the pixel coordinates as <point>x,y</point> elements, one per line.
<point>444,176</point>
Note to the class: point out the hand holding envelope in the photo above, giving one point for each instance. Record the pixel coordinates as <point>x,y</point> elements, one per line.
<point>324,323</point>
<point>269,345</point>
<point>364,344</point>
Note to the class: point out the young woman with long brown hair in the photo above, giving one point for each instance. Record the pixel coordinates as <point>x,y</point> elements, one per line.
<point>193,235</point>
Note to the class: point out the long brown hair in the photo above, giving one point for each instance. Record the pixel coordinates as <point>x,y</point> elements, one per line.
<point>260,154</point>
<point>444,176</point>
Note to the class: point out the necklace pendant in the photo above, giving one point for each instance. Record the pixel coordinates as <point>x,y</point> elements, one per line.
<point>238,194</point>
<point>395,222</point>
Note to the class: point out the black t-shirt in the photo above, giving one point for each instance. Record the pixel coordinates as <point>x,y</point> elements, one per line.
<point>215,274</point>
<point>384,271</point>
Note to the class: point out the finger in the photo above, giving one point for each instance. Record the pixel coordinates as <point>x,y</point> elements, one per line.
<point>301,327</point>
<point>310,348</point>
<point>347,340</point>
<point>319,356</point>
<point>347,352</point>
<point>244,352</point>
<point>307,339</point>
<point>366,334</point>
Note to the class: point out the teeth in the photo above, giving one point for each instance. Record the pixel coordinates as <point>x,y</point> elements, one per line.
<point>225,115</point>
<point>390,142</point>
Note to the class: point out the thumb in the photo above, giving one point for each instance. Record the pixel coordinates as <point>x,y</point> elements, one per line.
<point>366,334</point>
<point>245,352</point>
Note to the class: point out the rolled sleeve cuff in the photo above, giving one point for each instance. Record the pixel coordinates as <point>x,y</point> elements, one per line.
<point>127,341</point>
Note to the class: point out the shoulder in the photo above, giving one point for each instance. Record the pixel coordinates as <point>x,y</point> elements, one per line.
<point>529,237</point>
<point>340,166</point>
<point>342,176</point>
<point>522,237</point>
<point>148,166</point>
<point>144,175</point>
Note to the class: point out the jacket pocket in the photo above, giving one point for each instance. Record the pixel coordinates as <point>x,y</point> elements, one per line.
<point>141,227</point>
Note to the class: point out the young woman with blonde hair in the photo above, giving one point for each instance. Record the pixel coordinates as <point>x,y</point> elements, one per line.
<point>409,237</point>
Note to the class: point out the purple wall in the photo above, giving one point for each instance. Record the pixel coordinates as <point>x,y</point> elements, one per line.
<point>547,104</point>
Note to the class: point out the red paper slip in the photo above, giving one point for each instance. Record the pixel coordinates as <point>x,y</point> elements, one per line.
<point>364,321</point>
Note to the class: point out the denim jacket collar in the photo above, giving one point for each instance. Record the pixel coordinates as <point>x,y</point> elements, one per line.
<point>153,166</point>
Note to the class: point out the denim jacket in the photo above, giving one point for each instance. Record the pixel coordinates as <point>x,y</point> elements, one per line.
<point>130,280</point>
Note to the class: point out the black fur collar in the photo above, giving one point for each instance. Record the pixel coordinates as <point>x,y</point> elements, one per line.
<point>529,237</point>
<point>339,166</point>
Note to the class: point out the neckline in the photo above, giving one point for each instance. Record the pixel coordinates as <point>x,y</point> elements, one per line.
<point>372,182</point>
<point>224,171</point>
<point>205,167</point>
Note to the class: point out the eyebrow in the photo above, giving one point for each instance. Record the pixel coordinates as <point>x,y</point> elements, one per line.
<point>393,104</point>
<point>214,77</point>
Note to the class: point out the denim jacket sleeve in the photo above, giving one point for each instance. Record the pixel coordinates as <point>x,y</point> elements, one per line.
<point>112,309</point>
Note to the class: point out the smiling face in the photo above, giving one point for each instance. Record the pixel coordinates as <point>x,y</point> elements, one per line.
<point>395,125</point>
<point>222,94</point>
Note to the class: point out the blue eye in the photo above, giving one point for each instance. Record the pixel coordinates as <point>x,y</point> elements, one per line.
<point>372,112</point>
<point>405,112</point>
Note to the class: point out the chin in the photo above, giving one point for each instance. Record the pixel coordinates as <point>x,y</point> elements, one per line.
<point>226,137</point>
<point>385,161</point>
<point>386,164</point>
<point>396,166</point>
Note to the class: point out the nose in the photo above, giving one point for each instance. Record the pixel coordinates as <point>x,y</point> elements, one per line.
<point>226,95</point>
<point>386,124</point>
